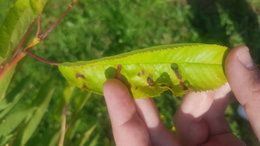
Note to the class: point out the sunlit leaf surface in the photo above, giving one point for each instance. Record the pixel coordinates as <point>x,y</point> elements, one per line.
<point>149,72</point>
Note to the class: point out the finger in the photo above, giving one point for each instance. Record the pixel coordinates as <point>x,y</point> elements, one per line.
<point>214,117</point>
<point>159,134</point>
<point>191,128</point>
<point>244,79</point>
<point>224,140</point>
<point>128,127</point>
<point>200,114</point>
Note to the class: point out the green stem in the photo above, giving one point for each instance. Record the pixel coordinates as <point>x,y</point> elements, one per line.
<point>63,125</point>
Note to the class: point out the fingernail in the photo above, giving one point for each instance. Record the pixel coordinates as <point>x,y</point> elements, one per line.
<point>245,58</point>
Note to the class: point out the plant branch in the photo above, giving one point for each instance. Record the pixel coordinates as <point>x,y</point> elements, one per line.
<point>8,66</point>
<point>18,55</point>
<point>38,25</point>
<point>45,34</point>
<point>63,125</point>
<point>41,59</point>
<point>25,36</point>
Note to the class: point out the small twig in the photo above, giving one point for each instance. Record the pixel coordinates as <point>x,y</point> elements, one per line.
<point>19,54</point>
<point>41,59</point>
<point>25,36</point>
<point>45,34</point>
<point>63,125</point>
<point>38,25</point>
<point>8,66</point>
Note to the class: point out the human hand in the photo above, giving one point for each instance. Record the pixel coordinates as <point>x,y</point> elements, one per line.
<point>244,79</point>
<point>199,121</point>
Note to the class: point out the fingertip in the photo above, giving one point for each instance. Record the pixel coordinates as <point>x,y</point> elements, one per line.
<point>120,103</point>
<point>232,58</point>
<point>128,128</point>
<point>244,79</point>
<point>114,87</point>
<point>241,73</point>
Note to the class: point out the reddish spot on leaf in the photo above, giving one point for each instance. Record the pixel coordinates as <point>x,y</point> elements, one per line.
<point>175,68</point>
<point>84,86</point>
<point>150,81</point>
<point>143,72</point>
<point>79,75</point>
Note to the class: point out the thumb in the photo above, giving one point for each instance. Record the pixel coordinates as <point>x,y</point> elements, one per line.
<point>244,79</point>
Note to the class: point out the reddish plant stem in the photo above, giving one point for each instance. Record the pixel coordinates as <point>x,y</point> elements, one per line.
<point>8,66</point>
<point>41,59</point>
<point>38,25</point>
<point>45,34</point>
<point>25,36</point>
<point>19,54</point>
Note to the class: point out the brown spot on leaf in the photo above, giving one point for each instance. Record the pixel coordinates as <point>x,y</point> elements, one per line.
<point>79,75</point>
<point>84,86</point>
<point>150,81</point>
<point>175,69</point>
<point>118,70</point>
<point>184,87</point>
<point>163,85</point>
<point>143,72</point>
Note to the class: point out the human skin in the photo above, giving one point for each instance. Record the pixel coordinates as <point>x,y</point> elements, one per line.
<point>200,118</point>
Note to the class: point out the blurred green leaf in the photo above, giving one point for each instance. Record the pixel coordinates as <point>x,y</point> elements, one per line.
<point>43,98</point>
<point>53,139</point>
<point>67,93</point>
<point>4,7</point>
<point>15,18</point>
<point>15,117</point>
<point>13,96</point>
<point>5,139</point>
<point>86,136</point>
<point>15,23</point>
<point>70,134</point>
<point>4,83</point>
<point>94,141</point>
<point>10,105</point>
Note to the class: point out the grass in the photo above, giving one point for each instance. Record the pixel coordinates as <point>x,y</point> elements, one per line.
<point>97,28</point>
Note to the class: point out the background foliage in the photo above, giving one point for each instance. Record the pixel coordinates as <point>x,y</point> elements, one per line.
<point>31,111</point>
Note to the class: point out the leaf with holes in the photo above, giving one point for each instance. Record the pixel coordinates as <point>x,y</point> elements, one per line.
<point>149,72</point>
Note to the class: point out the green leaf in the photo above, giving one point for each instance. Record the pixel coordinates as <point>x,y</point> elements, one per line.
<point>86,135</point>
<point>149,72</point>
<point>4,7</point>
<point>4,83</point>
<point>4,140</point>
<point>14,95</point>
<point>67,93</point>
<point>27,114</point>
<point>94,141</point>
<point>16,19</point>
<point>15,117</point>
<point>44,98</point>
<point>9,106</point>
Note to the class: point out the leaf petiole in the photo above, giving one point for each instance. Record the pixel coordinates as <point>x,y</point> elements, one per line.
<point>41,59</point>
